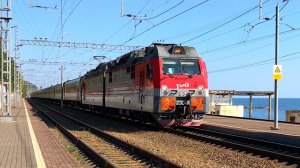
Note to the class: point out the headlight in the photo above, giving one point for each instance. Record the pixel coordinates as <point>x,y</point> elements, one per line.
<point>165,90</point>
<point>200,90</point>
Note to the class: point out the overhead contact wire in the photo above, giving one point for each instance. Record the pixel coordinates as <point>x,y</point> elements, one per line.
<point>225,23</point>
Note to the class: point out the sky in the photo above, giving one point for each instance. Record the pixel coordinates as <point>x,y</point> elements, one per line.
<point>237,46</point>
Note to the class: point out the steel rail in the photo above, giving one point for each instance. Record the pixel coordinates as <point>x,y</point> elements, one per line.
<point>80,144</point>
<point>256,146</point>
<point>294,149</point>
<point>162,162</point>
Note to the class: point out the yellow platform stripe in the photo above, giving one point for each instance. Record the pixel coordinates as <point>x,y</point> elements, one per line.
<point>36,148</point>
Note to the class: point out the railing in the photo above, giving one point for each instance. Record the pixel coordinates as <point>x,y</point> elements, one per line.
<point>231,93</point>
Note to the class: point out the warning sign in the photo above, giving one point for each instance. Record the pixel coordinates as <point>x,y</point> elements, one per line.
<point>277,72</point>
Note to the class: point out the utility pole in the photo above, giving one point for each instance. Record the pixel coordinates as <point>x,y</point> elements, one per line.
<point>260,10</point>
<point>122,8</point>
<point>276,63</point>
<point>277,74</point>
<point>5,61</point>
<point>62,88</point>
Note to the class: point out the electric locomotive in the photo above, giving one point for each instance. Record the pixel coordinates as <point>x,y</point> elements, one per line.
<point>180,85</point>
<point>164,82</point>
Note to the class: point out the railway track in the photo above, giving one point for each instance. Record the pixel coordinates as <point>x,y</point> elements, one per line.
<point>281,152</point>
<point>102,148</point>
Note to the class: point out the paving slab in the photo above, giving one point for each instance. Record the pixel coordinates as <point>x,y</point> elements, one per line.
<point>28,146</point>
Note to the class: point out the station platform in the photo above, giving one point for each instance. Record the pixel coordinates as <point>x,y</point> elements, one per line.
<point>27,142</point>
<point>288,133</point>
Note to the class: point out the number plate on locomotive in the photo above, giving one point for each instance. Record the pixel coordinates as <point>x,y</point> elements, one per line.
<point>182,102</point>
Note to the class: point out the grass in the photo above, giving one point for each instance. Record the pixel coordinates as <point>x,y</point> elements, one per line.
<point>72,149</point>
<point>75,152</point>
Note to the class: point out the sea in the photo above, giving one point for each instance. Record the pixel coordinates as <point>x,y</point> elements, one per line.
<point>284,104</point>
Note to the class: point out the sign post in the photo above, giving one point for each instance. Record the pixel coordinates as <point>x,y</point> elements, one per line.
<point>277,71</point>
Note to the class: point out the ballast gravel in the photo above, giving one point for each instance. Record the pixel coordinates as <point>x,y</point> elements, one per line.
<point>181,150</point>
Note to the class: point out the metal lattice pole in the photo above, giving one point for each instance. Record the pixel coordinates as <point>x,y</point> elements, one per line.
<point>77,45</point>
<point>5,61</point>
<point>16,66</point>
<point>18,84</point>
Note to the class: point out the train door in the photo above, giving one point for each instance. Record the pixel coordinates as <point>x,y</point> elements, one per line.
<point>145,81</point>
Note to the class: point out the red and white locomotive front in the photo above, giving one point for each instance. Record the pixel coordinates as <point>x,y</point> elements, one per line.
<point>183,86</point>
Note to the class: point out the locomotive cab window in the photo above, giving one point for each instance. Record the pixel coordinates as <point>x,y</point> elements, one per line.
<point>190,67</point>
<point>181,67</point>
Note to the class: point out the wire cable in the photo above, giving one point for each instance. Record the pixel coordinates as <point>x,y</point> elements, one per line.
<point>251,50</point>
<point>199,4</point>
<point>253,64</point>
<point>246,42</point>
<point>223,24</point>
<point>121,28</point>
<point>167,10</point>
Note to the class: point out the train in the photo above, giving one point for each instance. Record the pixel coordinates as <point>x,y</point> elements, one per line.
<point>166,84</point>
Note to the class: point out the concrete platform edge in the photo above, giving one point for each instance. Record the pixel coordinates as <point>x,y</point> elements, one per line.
<point>37,151</point>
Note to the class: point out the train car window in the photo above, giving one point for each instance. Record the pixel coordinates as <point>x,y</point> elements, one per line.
<point>149,71</point>
<point>132,72</point>
<point>110,77</point>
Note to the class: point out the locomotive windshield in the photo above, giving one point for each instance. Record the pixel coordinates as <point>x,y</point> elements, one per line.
<point>181,66</point>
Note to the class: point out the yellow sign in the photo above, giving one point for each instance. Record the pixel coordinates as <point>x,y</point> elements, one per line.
<point>277,72</point>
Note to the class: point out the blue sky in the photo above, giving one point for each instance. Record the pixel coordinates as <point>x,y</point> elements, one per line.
<point>238,47</point>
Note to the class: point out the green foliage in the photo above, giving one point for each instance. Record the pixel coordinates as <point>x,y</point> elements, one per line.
<point>28,88</point>
<point>71,149</point>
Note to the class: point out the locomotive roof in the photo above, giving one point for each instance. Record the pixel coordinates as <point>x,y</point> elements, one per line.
<point>153,51</point>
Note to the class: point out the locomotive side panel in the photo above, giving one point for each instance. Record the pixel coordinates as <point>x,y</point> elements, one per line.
<point>120,92</point>
<point>92,90</point>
